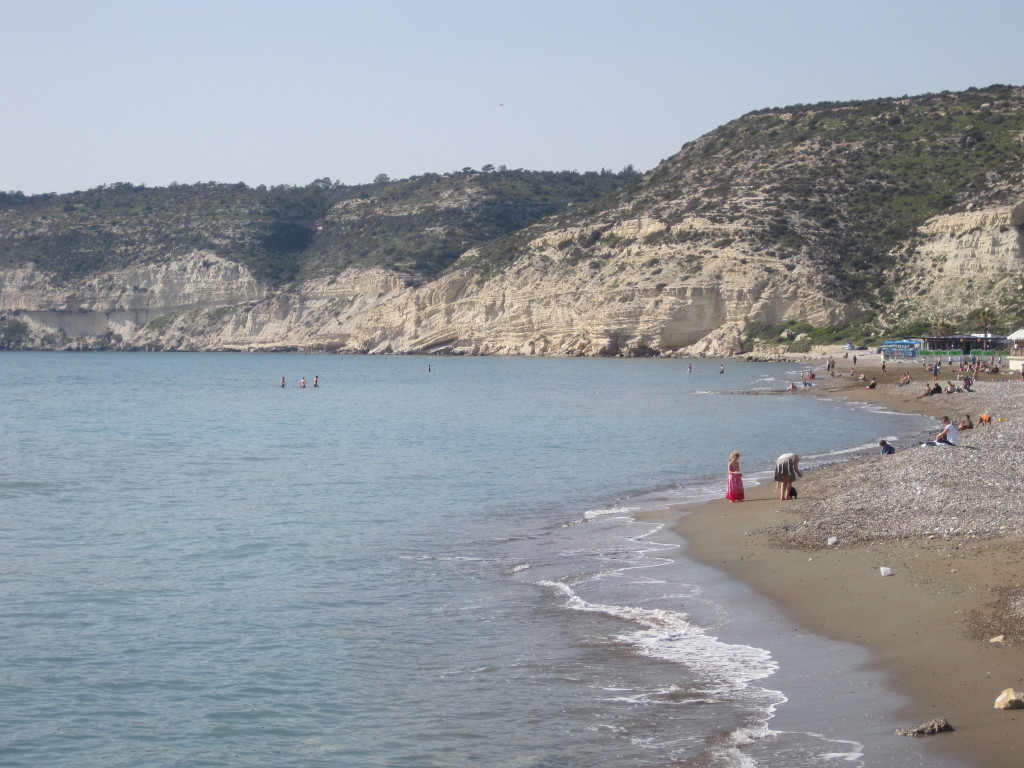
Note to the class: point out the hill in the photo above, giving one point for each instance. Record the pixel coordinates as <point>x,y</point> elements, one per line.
<point>837,220</point>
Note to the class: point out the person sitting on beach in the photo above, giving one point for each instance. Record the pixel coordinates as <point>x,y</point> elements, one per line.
<point>791,387</point>
<point>947,435</point>
<point>966,423</point>
<point>886,449</point>
<point>871,384</point>
<point>984,419</point>
<point>949,389</point>
<point>905,379</point>
<point>967,384</point>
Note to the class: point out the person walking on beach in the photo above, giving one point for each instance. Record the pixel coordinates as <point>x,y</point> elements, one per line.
<point>734,488</point>
<point>787,469</point>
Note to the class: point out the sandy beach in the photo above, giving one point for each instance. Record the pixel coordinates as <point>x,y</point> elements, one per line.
<point>947,522</point>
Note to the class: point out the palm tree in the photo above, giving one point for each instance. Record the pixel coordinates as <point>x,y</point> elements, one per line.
<point>986,317</point>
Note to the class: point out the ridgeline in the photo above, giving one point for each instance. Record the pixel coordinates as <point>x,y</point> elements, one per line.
<point>833,220</point>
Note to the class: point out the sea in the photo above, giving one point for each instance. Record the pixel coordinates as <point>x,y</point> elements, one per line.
<point>420,562</point>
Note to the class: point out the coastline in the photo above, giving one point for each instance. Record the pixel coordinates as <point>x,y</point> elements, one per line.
<point>921,624</point>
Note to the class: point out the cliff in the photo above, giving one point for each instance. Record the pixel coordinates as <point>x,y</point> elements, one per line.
<point>866,216</point>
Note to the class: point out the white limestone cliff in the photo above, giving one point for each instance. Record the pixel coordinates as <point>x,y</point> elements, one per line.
<point>964,261</point>
<point>639,296</point>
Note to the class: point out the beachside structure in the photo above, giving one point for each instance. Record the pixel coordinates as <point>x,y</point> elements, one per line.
<point>1016,360</point>
<point>901,349</point>
<point>967,344</point>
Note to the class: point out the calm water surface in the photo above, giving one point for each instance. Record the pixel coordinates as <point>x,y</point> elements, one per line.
<point>400,567</point>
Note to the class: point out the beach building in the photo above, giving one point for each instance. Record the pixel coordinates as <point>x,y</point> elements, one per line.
<point>1016,360</point>
<point>901,349</point>
<point>967,344</point>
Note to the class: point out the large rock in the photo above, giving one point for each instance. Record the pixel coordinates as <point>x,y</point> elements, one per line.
<point>1010,699</point>
<point>930,728</point>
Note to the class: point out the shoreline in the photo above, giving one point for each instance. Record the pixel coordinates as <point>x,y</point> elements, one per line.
<point>921,625</point>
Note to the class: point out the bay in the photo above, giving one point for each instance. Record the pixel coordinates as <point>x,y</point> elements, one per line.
<point>420,562</point>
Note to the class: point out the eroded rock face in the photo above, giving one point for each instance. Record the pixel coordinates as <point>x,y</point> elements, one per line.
<point>637,297</point>
<point>125,301</point>
<point>964,261</point>
<point>541,305</point>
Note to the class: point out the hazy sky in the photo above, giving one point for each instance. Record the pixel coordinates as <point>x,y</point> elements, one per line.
<point>269,92</point>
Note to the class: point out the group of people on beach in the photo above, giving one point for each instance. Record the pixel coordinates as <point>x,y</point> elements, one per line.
<point>787,466</point>
<point>787,469</point>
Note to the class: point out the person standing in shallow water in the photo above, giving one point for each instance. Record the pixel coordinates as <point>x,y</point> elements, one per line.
<point>734,488</point>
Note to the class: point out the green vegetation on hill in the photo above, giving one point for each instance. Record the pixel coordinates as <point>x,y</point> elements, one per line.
<point>841,187</point>
<point>420,224</point>
<point>844,185</point>
<point>425,223</point>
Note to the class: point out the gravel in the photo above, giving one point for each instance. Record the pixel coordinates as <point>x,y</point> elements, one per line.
<point>974,490</point>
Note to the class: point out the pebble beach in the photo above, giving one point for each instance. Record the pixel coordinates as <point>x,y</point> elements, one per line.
<point>974,490</point>
<point>945,524</point>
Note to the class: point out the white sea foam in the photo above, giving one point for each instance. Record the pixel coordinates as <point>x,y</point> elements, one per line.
<point>724,668</point>
<point>595,514</point>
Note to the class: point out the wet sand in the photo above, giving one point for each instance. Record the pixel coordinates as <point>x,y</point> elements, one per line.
<point>914,622</point>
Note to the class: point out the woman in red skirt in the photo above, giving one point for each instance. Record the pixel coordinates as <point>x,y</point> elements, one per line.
<point>734,489</point>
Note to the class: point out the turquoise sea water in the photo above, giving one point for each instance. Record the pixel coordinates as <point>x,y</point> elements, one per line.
<point>402,567</point>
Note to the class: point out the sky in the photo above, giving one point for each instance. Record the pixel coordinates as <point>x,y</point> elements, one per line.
<point>270,92</point>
